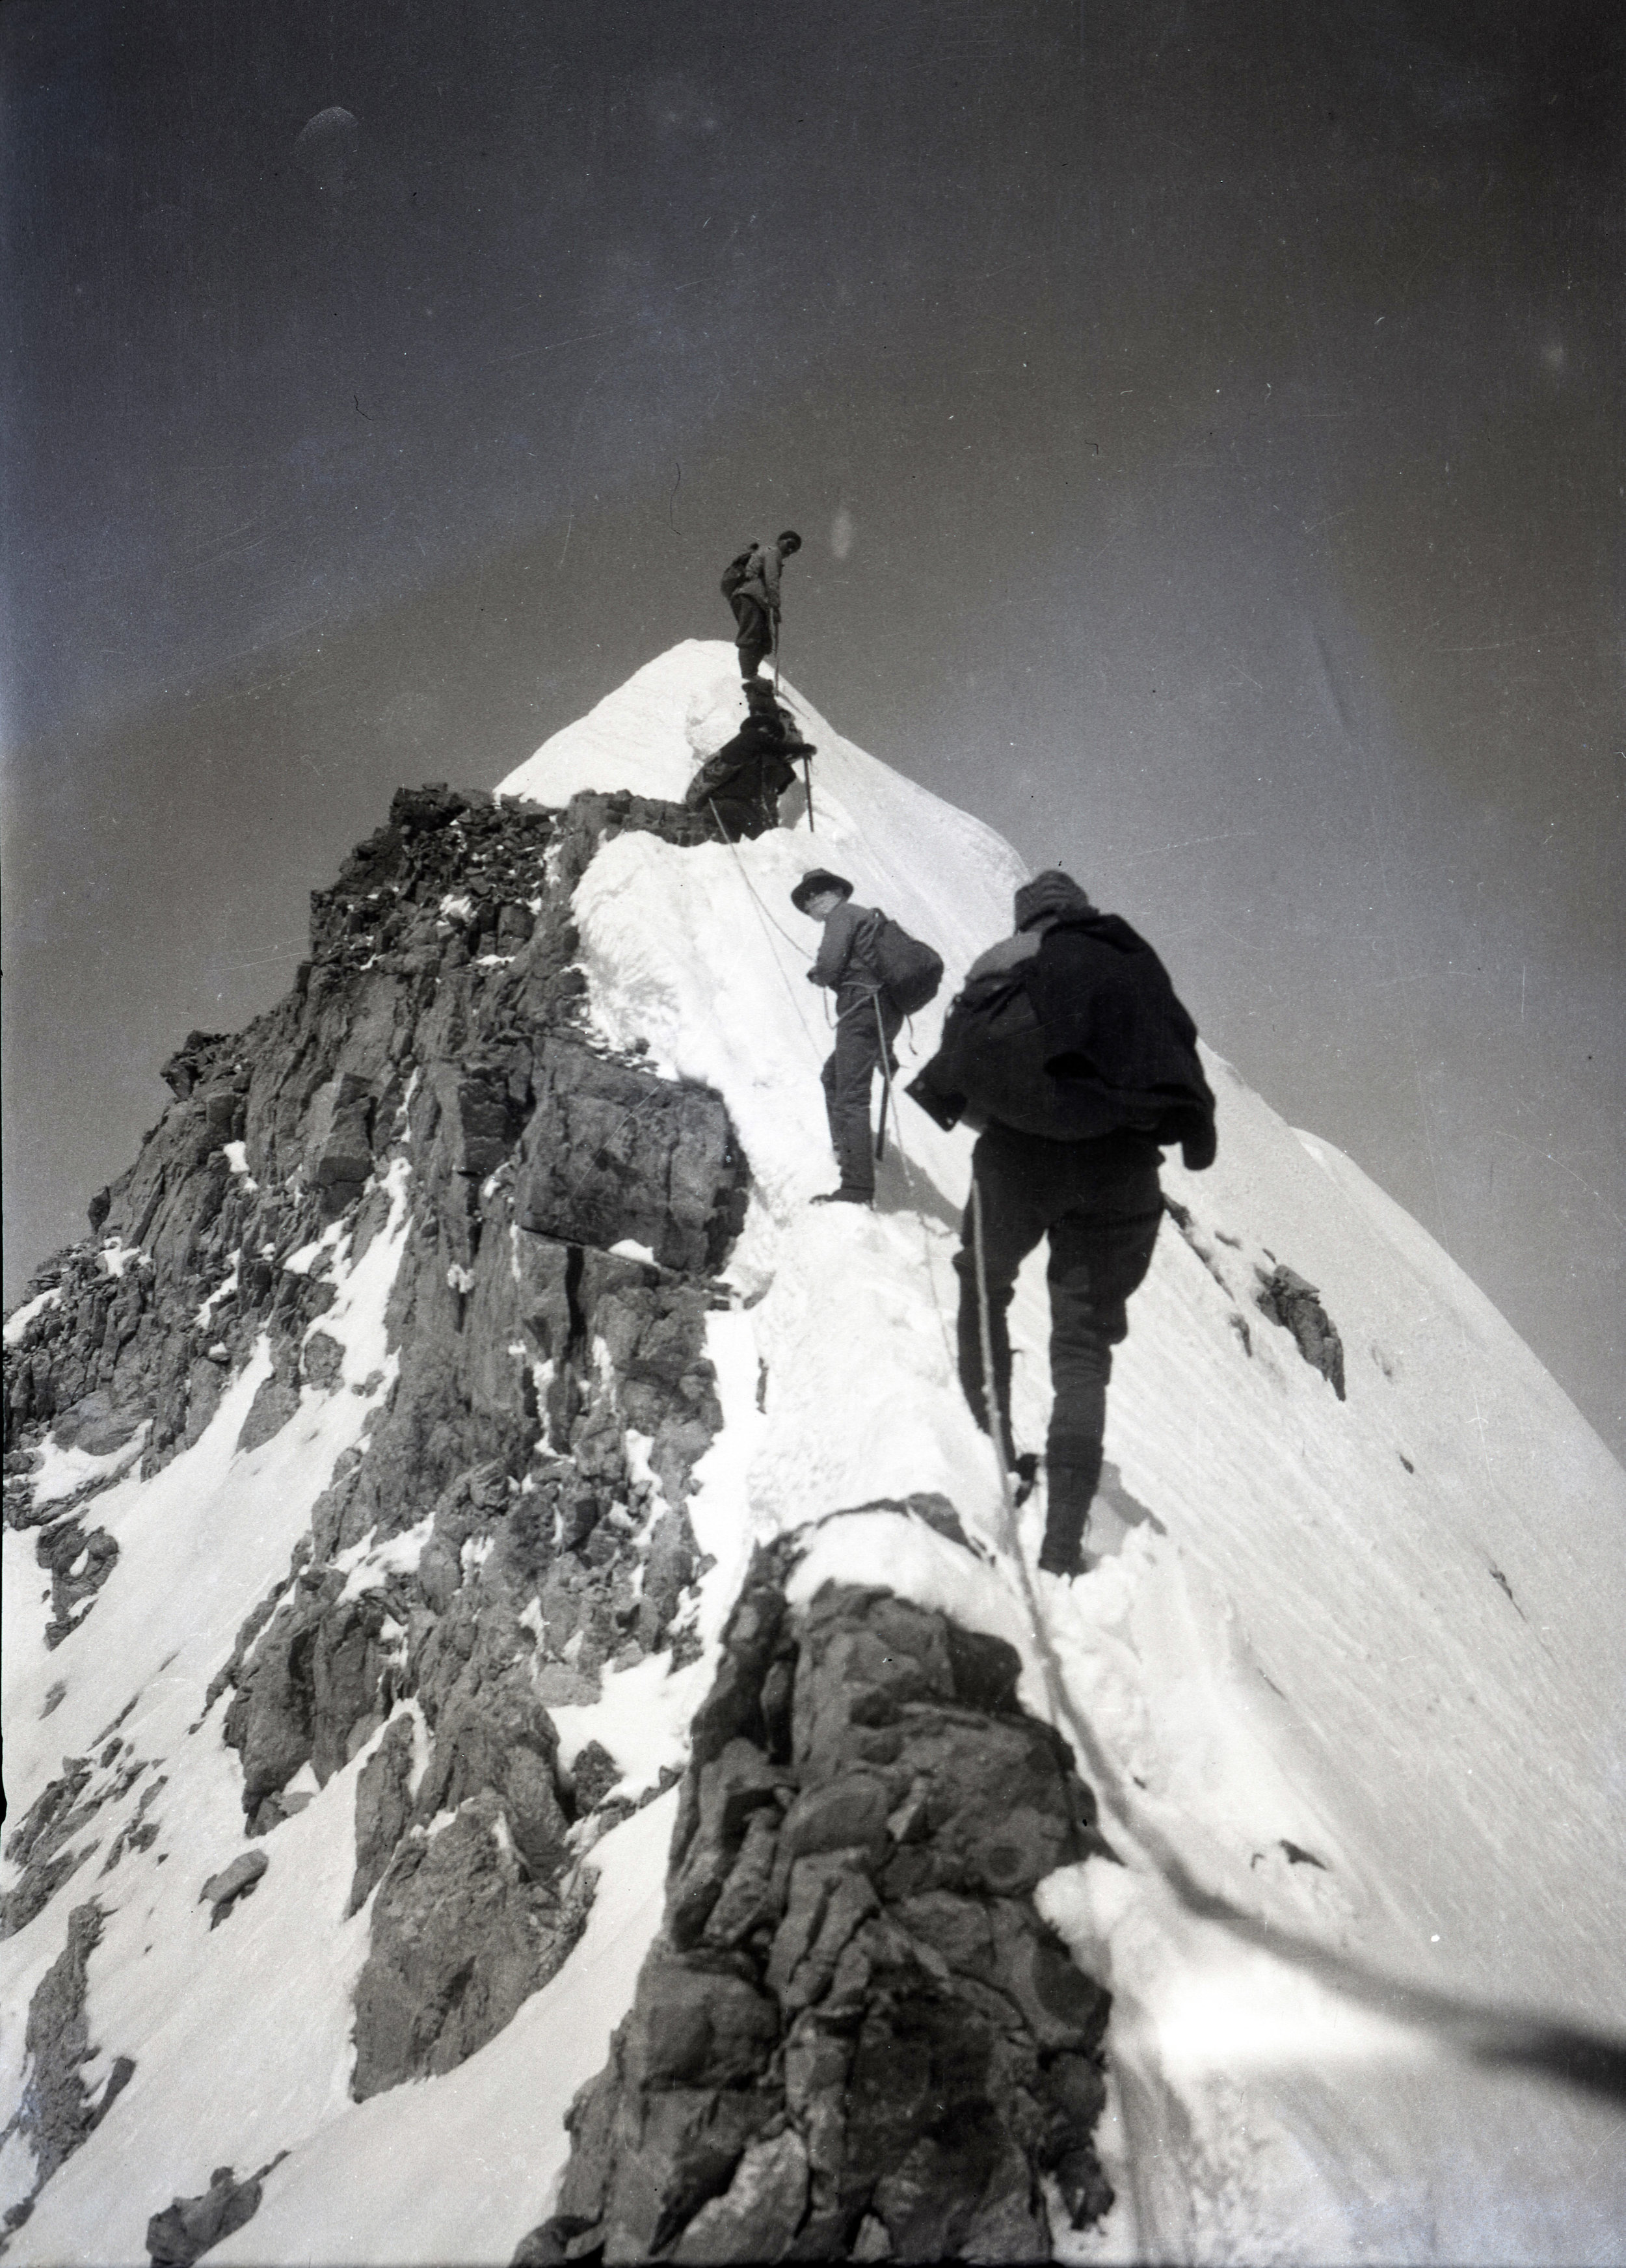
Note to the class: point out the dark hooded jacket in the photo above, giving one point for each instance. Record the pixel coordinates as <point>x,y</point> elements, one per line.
<point>754,767</point>
<point>1081,1035</point>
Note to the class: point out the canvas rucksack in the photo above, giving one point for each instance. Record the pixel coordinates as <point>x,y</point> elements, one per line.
<point>737,571</point>
<point>910,972</point>
<point>1086,1038</point>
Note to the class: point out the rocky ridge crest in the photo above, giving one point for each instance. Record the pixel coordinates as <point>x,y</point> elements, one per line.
<point>511,1523</point>
<point>854,2037</point>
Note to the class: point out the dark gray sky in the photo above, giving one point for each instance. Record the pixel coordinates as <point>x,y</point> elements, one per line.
<point>1204,420</point>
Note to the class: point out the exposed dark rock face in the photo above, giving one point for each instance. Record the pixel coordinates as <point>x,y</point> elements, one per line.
<point>611,1153</point>
<point>56,2112</point>
<point>854,2038</point>
<point>430,1076</point>
<point>445,950</point>
<point>77,1560</point>
<point>463,1932</point>
<point>190,2226</point>
<point>239,1880</point>
<point>1289,1300</point>
<point>43,1843</point>
<point>80,1562</point>
<point>594,1773</point>
<point>383,1807</point>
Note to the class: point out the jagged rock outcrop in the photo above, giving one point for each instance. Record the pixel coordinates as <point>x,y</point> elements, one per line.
<point>79,1561</point>
<point>239,1880</point>
<point>854,2037</point>
<point>57,2112</point>
<point>1284,1296</point>
<point>442,957</point>
<point>190,2226</point>
<point>431,1077</point>
<point>50,1842</point>
<point>463,1932</point>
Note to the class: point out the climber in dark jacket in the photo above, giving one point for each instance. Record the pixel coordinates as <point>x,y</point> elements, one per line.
<point>866,1024</point>
<point>1070,1053</point>
<point>756,601</point>
<point>740,786</point>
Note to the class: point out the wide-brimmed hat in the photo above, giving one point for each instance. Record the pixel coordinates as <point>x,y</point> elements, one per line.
<point>1049,893</point>
<point>814,885</point>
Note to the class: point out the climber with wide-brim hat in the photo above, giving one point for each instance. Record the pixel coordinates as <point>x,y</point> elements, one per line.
<point>866,1024</point>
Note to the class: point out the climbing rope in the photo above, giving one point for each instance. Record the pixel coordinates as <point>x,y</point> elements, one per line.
<point>1050,1661</point>
<point>998,1429</point>
<point>1061,1701</point>
<point>1589,2060</point>
<point>767,919</point>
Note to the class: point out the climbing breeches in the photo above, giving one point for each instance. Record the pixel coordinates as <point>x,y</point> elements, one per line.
<point>848,1078</point>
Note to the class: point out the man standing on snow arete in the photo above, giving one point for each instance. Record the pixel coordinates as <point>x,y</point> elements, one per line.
<point>755,597</point>
<point>866,1024</point>
<point>1069,1049</point>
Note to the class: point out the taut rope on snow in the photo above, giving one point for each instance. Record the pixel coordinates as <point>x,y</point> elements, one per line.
<point>1591,2061</point>
<point>998,1433</point>
<point>765,917</point>
<point>998,1429</point>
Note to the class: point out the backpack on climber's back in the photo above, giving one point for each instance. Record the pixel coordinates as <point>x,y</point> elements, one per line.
<point>1084,1038</point>
<point>910,972</point>
<point>737,571</point>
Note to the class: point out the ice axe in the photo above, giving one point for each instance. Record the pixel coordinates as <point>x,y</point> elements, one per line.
<point>885,1082</point>
<point>808,755</point>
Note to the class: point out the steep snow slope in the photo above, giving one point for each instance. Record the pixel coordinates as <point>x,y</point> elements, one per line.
<point>1352,1668</point>
<point>1384,1630</point>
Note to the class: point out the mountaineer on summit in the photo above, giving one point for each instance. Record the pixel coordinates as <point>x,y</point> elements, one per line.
<point>751,586</point>
<point>741,784</point>
<point>879,974</point>
<point>1070,1054</point>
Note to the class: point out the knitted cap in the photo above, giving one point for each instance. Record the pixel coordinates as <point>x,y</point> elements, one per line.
<point>1049,893</point>
<point>814,883</point>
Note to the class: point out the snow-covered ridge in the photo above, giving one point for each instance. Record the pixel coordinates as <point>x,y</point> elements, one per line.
<point>1331,1627</point>
<point>1351,1662</point>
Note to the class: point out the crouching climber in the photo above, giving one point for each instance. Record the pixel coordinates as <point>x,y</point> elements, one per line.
<point>751,586</point>
<point>879,974</point>
<point>1070,1054</point>
<point>740,786</point>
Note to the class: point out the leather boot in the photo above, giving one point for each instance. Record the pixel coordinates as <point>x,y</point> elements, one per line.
<point>1069,1489</point>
